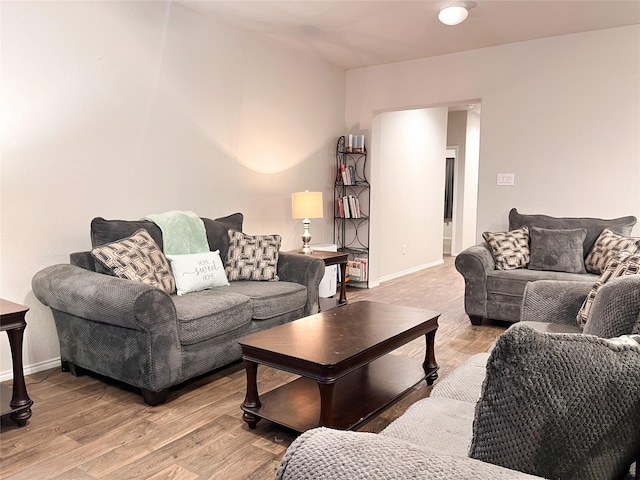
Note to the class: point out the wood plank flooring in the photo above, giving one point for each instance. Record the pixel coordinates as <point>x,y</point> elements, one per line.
<point>87,428</point>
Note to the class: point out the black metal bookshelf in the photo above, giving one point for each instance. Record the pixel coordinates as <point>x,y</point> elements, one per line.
<point>351,222</point>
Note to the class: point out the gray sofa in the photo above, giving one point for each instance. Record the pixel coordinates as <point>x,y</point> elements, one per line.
<point>141,336</point>
<point>548,401</point>
<point>497,294</point>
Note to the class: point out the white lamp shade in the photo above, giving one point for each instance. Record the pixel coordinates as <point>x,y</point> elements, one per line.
<point>453,14</point>
<point>306,205</point>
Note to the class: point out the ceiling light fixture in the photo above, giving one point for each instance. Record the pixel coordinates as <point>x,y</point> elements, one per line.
<point>454,13</point>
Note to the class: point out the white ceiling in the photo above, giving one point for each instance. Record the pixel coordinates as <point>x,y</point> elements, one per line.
<point>363,33</point>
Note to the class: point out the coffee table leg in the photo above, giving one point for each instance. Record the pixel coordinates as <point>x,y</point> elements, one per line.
<point>326,404</point>
<point>251,399</point>
<point>430,364</point>
<point>343,284</point>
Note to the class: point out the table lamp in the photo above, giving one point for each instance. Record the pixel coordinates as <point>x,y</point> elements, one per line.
<point>306,205</point>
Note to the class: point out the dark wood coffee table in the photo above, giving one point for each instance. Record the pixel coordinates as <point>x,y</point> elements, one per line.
<point>341,356</point>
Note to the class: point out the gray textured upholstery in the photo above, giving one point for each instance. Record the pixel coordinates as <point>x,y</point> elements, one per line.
<point>616,308</point>
<point>559,406</point>
<point>553,301</point>
<point>144,337</point>
<point>210,313</point>
<point>615,311</point>
<point>441,424</point>
<point>465,382</point>
<point>566,405</point>
<point>497,294</point>
<point>557,250</point>
<point>593,226</point>
<point>269,299</point>
<point>324,454</point>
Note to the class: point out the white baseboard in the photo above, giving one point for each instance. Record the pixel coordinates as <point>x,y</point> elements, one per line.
<point>29,369</point>
<point>386,278</point>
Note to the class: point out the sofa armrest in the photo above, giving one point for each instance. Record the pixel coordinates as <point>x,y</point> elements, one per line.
<point>475,263</point>
<point>616,308</point>
<point>553,301</point>
<point>103,298</point>
<point>305,270</point>
<point>322,453</point>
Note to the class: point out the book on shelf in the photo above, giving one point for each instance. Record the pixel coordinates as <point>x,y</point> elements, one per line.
<point>351,175</point>
<point>352,207</point>
<point>355,143</point>
<point>348,207</point>
<point>357,269</point>
<point>343,174</point>
<point>347,174</point>
<point>364,263</point>
<point>345,205</point>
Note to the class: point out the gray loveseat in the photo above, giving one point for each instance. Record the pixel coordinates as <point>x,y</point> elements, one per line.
<point>142,336</point>
<point>497,294</point>
<point>548,401</point>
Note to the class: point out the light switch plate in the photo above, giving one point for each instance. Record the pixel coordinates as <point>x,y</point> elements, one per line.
<point>506,178</point>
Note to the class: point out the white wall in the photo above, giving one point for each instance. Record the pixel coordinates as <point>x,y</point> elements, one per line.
<point>407,191</point>
<point>121,109</point>
<point>562,114</point>
<point>469,203</point>
<point>463,131</point>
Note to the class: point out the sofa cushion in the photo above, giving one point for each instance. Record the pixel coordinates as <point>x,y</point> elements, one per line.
<point>441,424</point>
<point>558,250</point>
<point>252,257</point>
<point>218,232</point>
<point>197,271</point>
<point>107,231</point>
<point>559,406</point>
<point>510,249</point>
<point>465,382</point>
<point>593,226</point>
<point>512,282</point>
<point>210,313</point>
<point>608,245</point>
<point>270,299</point>
<point>624,264</point>
<point>137,258</point>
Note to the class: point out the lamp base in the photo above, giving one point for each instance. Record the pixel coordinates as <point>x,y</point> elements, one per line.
<point>306,237</point>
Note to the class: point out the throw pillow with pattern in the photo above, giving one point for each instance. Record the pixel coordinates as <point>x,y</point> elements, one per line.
<point>607,246</point>
<point>252,257</point>
<point>626,263</point>
<point>137,258</point>
<point>510,250</point>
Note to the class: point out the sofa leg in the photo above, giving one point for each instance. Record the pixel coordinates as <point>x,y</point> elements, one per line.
<point>75,370</point>
<point>154,398</point>
<point>475,319</point>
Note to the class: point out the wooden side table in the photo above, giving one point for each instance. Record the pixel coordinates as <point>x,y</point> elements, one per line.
<point>332,258</point>
<point>12,321</point>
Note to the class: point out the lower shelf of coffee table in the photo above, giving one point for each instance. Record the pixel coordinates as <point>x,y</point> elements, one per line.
<point>356,396</point>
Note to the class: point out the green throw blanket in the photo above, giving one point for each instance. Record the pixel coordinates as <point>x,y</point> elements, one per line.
<point>182,232</point>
